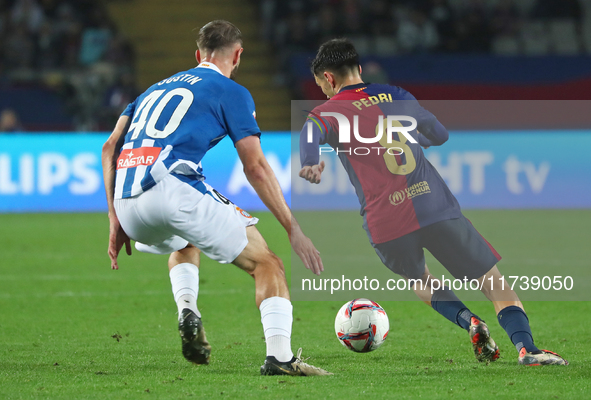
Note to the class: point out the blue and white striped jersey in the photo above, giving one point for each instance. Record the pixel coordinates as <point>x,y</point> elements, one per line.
<point>176,121</point>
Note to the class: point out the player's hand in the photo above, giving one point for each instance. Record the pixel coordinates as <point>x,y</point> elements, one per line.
<point>117,238</point>
<point>305,249</point>
<point>312,173</point>
<point>424,147</point>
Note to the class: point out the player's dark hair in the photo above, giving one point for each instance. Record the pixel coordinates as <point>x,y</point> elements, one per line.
<point>218,34</point>
<point>337,56</point>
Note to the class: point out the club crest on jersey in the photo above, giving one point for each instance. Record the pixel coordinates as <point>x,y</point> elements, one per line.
<point>244,213</point>
<point>130,158</point>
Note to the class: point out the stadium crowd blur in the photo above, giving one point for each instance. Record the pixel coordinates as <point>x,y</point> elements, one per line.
<point>65,61</point>
<point>407,27</point>
<point>69,47</point>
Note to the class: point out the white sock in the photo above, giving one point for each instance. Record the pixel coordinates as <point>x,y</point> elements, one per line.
<point>276,316</point>
<point>185,286</point>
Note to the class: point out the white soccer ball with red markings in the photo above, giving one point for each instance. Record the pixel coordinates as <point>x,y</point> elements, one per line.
<point>362,325</point>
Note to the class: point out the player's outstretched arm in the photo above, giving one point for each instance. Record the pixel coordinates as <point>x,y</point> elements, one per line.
<point>111,148</point>
<point>263,180</point>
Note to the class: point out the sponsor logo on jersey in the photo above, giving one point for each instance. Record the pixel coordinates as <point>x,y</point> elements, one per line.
<point>413,191</point>
<point>397,197</point>
<point>131,158</point>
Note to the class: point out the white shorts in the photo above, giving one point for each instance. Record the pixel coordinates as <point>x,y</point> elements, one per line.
<point>178,211</point>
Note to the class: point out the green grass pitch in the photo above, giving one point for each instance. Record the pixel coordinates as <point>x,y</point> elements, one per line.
<point>70,328</point>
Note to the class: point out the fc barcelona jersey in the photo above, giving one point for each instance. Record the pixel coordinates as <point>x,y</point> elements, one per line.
<point>398,189</point>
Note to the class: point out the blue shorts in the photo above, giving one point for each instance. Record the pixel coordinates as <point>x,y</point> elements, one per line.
<point>455,243</point>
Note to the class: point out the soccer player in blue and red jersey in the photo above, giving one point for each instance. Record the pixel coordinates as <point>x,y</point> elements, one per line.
<point>157,196</point>
<point>405,204</point>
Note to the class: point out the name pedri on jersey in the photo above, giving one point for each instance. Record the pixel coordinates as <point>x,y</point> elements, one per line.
<point>176,121</point>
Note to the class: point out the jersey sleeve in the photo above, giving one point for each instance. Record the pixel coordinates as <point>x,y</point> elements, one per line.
<point>316,131</point>
<point>432,132</point>
<point>238,114</point>
<point>311,137</point>
<point>130,109</point>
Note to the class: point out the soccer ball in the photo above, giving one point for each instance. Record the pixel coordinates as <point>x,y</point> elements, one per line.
<point>361,325</point>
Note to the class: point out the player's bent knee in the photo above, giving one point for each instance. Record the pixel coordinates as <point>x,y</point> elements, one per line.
<point>487,281</point>
<point>486,288</point>
<point>278,262</point>
<point>271,264</point>
<point>257,256</point>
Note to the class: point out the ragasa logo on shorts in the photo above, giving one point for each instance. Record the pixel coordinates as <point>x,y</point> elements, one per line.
<point>415,190</point>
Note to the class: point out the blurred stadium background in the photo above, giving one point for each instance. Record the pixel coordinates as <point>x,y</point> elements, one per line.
<point>70,65</point>
<point>68,68</point>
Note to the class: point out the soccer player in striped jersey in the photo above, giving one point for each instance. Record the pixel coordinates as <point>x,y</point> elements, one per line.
<point>157,195</point>
<point>405,204</point>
